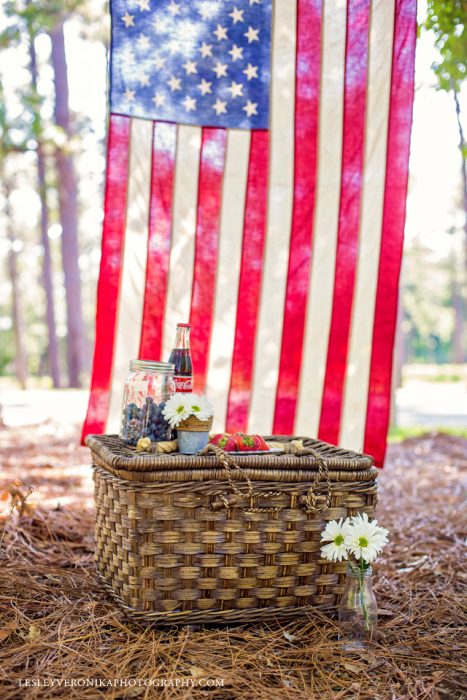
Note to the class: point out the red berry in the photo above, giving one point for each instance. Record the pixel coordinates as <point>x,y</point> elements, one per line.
<point>249,443</point>
<point>225,441</point>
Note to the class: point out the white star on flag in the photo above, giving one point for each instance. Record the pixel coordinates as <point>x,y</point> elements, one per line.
<point>220,32</point>
<point>143,5</point>
<point>174,8</point>
<point>251,71</point>
<point>160,24</point>
<point>189,103</point>
<point>143,42</point>
<point>127,56</point>
<point>220,69</point>
<point>252,34</point>
<point>129,20</point>
<point>204,86</point>
<point>207,10</point>
<point>236,89</point>
<point>158,99</point>
<point>237,15</point>
<point>190,67</point>
<point>236,52</point>
<point>174,46</point>
<point>206,50</point>
<point>174,83</point>
<point>129,95</point>
<point>143,79</point>
<point>159,62</point>
<point>250,108</point>
<point>220,107</point>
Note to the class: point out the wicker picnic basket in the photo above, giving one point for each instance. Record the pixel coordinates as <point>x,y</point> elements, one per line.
<point>204,538</point>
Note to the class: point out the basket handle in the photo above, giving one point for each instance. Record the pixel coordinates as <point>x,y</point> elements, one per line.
<point>309,501</point>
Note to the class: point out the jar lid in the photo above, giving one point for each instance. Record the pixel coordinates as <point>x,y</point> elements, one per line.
<point>150,366</point>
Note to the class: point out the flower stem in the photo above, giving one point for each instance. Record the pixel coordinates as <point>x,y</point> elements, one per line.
<point>362,599</point>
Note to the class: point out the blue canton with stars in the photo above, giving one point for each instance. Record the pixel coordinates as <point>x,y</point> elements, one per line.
<point>203,62</point>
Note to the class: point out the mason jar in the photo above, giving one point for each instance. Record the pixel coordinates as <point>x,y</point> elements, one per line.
<point>148,387</point>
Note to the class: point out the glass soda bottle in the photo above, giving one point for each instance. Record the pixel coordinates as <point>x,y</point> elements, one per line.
<point>181,358</point>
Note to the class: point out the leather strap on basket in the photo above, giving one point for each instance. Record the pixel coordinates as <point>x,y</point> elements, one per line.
<point>310,500</point>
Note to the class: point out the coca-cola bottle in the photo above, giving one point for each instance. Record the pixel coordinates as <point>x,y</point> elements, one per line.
<point>181,358</point>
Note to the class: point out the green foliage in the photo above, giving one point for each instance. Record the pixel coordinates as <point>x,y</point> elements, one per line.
<point>398,434</point>
<point>427,297</point>
<point>447,18</point>
<point>38,15</point>
<point>7,350</point>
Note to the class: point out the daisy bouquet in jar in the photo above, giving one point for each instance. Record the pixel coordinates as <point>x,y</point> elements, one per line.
<point>358,541</point>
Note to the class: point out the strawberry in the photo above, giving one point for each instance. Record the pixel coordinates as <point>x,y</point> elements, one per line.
<point>262,443</point>
<point>225,441</point>
<point>249,443</point>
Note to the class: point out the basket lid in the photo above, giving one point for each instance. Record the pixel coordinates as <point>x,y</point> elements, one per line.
<point>110,452</point>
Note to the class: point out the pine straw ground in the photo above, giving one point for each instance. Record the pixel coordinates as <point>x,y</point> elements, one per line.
<point>55,623</point>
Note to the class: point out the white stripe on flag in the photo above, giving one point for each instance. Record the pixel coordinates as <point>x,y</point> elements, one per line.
<point>182,252</point>
<point>228,272</point>
<point>321,289</point>
<point>361,335</point>
<point>131,293</point>
<point>281,181</point>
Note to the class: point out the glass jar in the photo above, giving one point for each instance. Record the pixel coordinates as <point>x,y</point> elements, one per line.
<point>358,611</point>
<point>147,388</point>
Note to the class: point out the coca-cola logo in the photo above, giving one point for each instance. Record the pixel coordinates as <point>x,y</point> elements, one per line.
<point>184,383</point>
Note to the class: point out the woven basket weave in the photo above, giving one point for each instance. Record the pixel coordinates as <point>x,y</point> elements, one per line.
<point>187,539</point>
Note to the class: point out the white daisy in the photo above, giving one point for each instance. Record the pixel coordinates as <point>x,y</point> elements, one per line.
<point>200,407</point>
<point>177,408</point>
<point>366,539</point>
<point>336,533</point>
<point>207,410</point>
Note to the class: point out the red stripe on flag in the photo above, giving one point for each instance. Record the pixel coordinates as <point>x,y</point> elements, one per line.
<point>249,290</point>
<point>356,66</point>
<point>109,275</point>
<point>397,168</point>
<point>211,170</point>
<point>307,85</point>
<point>160,226</point>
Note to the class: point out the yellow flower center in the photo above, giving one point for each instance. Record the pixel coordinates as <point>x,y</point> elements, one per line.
<point>339,539</point>
<point>362,542</point>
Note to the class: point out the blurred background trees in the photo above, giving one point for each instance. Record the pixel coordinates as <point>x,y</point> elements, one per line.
<point>42,145</point>
<point>52,146</point>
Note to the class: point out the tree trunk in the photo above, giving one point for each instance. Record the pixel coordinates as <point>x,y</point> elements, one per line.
<point>21,364</point>
<point>463,166</point>
<point>457,302</point>
<point>399,356</point>
<point>47,266</point>
<point>67,192</point>
<point>459,319</point>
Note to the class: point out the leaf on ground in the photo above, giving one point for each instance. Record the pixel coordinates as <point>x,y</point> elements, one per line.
<point>8,629</point>
<point>33,634</point>
<point>290,637</point>
<point>353,668</point>
<point>197,672</point>
<point>374,662</point>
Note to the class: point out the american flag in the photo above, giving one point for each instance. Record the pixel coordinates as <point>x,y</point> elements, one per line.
<point>256,184</point>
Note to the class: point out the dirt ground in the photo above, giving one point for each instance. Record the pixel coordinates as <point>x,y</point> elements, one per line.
<point>59,631</point>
